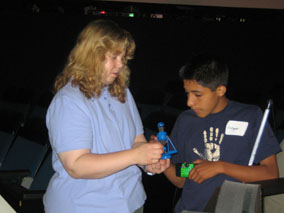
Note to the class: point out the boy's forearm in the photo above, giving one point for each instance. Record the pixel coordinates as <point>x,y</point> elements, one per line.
<point>171,175</point>
<point>266,170</point>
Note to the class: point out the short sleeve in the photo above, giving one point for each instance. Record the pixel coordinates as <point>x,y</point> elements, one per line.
<point>68,125</point>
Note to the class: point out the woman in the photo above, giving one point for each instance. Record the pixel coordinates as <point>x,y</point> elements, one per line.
<point>95,130</point>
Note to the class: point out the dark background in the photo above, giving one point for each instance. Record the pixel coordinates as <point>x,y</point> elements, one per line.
<point>35,44</point>
<point>36,38</point>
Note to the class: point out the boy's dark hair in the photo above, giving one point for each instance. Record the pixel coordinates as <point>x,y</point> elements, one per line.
<point>207,70</point>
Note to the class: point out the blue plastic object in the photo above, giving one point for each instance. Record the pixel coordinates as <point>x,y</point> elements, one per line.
<point>163,138</point>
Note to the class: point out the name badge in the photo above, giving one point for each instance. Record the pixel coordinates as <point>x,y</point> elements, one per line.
<point>236,128</point>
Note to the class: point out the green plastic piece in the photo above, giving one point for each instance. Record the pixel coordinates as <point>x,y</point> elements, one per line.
<point>185,169</point>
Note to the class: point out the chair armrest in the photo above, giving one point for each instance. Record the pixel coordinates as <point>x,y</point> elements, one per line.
<point>33,194</point>
<point>268,187</point>
<point>12,176</point>
<point>271,187</point>
<point>16,191</point>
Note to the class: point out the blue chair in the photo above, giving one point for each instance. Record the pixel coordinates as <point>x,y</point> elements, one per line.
<point>43,175</point>
<point>6,140</point>
<point>23,198</point>
<point>24,155</point>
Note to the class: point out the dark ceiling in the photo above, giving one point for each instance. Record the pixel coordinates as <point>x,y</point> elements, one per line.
<point>142,10</point>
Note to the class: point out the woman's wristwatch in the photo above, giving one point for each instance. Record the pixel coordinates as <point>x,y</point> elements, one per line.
<point>145,170</point>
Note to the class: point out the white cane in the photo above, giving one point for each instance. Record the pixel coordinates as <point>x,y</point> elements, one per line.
<point>262,125</point>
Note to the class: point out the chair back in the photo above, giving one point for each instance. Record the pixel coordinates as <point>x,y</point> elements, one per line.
<point>237,197</point>
<point>24,154</point>
<point>6,140</point>
<point>44,174</point>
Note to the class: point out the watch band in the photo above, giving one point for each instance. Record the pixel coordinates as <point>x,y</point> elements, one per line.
<point>145,170</point>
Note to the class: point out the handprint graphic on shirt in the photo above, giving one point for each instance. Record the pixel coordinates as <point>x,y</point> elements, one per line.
<point>212,145</point>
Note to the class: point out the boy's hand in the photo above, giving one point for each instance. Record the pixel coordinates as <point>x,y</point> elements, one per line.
<point>204,170</point>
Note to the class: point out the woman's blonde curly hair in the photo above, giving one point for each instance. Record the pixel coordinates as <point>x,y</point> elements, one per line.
<point>85,62</point>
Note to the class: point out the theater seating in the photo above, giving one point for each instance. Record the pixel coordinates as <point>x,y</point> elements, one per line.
<point>28,199</point>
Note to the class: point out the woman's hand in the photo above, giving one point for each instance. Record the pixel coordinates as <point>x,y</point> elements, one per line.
<point>159,167</point>
<point>148,153</point>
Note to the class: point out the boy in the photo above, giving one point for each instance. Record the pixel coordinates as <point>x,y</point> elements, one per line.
<point>218,136</point>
